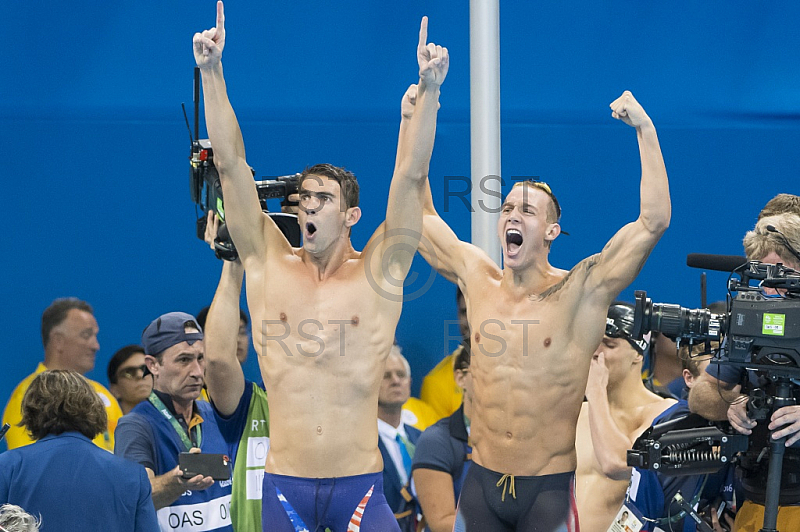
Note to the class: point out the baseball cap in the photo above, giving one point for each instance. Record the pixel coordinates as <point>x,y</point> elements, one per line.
<point>168,330</point>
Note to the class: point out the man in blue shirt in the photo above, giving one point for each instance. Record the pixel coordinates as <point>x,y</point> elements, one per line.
<point>443,455</point>
<point>172,421</point>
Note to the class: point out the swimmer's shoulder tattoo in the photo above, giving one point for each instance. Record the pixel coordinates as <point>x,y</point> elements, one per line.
<point>583,266</point>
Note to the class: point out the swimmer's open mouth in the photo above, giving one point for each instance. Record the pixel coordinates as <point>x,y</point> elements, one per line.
<point>311,228</point>
<point>513,238</point>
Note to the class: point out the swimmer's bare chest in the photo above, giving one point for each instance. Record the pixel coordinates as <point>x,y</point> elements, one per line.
<point>322,345</point>
<point>529,376</point>
<point>303,317</point>
<point>528,337</point>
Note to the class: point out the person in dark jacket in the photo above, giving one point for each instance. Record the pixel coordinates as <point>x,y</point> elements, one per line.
<point>64,477</point>
<point>443,456</point>
<point>397,440</point>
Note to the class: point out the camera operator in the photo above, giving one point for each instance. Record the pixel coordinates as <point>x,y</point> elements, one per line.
<point>717,395</point>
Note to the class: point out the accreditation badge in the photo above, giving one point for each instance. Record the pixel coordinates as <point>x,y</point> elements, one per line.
<point>628,519</point>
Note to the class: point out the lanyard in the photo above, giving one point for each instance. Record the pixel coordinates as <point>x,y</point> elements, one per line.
<point>161,407</point>
<point>662,521</point>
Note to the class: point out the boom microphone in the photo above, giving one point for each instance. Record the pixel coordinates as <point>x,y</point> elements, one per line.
<point>718,263</point>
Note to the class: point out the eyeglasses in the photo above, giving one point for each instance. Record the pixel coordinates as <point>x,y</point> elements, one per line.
<point>133,372</point>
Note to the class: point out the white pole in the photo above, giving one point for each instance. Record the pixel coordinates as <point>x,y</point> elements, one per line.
<point>484,55</point>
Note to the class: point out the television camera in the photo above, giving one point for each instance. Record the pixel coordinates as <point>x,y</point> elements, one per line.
<point>759,332</point>
<point>206,190</point>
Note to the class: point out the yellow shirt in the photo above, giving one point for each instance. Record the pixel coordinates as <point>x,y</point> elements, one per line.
<point>418,414</point>
<point>439,388</point>
<point>17,436</point>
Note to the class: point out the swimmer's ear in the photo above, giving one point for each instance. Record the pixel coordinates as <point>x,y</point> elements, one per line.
<point>553,231</point>
<point>352,216</point>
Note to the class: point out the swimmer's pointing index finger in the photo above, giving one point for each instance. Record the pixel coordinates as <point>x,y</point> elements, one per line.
<point>220,17</point>
<point>423,34</point>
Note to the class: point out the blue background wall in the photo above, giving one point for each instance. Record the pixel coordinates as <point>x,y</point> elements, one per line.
<point>94,146</point>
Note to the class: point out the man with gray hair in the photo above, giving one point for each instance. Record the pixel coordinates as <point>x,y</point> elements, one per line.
<point>775,239</point>
<point>15,519</point>
<point>397,440</point>
<point>719,386</point>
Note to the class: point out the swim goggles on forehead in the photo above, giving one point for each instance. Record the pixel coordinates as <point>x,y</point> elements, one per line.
<point>615,331</point>
<point>541,185</point>
<point>544,187</point>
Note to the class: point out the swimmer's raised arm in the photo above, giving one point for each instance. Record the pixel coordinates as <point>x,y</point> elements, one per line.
<point>403,226</point>
<point>623,257</point>
<point>251,230</point>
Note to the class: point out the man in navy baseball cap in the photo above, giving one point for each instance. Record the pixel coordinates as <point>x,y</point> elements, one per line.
<point>172,421</point>
<point>168,330</point>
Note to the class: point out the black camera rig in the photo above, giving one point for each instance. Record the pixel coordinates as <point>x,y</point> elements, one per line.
<point>206,190</point>
<point>759,332</point>
<point>689,445</point>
